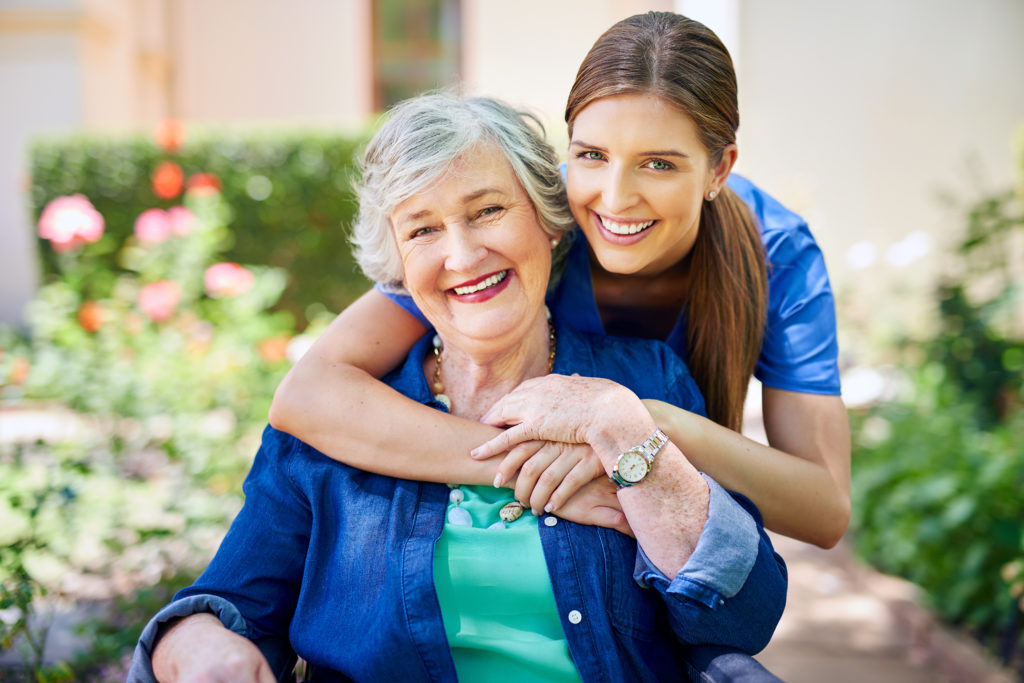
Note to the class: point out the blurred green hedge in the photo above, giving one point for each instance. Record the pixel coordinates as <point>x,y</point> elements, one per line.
<point>938,470</point>
<point>289,193</point>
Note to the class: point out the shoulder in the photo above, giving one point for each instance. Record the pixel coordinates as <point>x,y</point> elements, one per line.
<point>794,258</point>
<point>647,367</point>
<point>785,233</point>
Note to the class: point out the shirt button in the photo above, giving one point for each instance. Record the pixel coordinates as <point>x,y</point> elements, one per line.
<point>575,617</point>
<point>551,520</point>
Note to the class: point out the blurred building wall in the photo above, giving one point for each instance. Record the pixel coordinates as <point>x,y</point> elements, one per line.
<point>39,87</point>
<point>861,115</point>
<point>854,114</point>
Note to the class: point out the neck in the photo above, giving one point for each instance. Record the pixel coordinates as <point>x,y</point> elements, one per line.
<point>477,376</point>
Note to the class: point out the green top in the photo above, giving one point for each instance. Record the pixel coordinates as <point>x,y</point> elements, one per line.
<point>496,599</point>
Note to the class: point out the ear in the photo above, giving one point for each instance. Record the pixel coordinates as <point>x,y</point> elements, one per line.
<point>721,172</point>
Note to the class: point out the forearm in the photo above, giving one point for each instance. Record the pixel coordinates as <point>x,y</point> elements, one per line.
<point>668,510</point>
<point>355,419</point>
<point>797,496</point>
<point>179,640</point>
<point>732,590</point>
<point>332,400</point>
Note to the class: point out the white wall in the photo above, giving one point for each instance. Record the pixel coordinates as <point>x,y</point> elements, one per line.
<point>527,52</point>
<point>40,86</point>
<point>860,114</point>
<point>303,61</point>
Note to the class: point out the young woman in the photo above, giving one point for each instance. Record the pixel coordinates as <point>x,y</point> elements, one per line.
<point>670,250</point>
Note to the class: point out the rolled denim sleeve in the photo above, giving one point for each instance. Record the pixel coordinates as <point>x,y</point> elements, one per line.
<point>141,670</point>
<point>732,589</point>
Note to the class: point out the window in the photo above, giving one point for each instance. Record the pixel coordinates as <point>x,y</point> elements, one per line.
<point>416,48</point>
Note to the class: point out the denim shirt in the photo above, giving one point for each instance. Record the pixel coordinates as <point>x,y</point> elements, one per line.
<point>337,563</point>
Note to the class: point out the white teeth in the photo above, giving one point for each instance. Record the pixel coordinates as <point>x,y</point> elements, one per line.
<point>624,228</point>
<point>483,284</point>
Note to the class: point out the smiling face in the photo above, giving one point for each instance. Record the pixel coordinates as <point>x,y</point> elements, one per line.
<point>637,177</point>
<point>475,258</point>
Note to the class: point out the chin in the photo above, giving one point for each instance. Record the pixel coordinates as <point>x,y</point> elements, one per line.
<point>621,265</point>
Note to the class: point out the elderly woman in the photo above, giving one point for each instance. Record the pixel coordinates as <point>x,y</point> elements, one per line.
<point>369,577</point>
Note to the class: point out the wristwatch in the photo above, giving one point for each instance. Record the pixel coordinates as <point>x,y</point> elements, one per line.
<point>635,464</point>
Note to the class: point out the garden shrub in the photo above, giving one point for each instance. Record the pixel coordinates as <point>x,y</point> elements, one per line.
<point>938,473</point>
<point>289,196</point>
<point>172,356</point>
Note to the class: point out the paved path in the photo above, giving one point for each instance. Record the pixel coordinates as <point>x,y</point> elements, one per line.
<point>845,623</point>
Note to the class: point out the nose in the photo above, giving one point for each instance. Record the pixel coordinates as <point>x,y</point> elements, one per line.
<point>465,250</point>
<point>619,191</point>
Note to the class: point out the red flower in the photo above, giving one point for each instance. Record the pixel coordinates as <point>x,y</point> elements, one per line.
<point>227,279</point>
<point>203,184</point>
<point>70,222</point>
<point>182,220</point>
<point>19,370</point>
<point>273,349</point>
<point>168,179</point>
<point>153,226</point>
<point>90,316</point>
<point>169,134</point>
<point>158,300</point>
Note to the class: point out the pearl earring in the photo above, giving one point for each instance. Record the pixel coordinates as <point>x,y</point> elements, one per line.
<point>712,195</point>
<point>554,242</point>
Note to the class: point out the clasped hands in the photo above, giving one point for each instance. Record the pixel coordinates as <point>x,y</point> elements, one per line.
<point>558,450</point>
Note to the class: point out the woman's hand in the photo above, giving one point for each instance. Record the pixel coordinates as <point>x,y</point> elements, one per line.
<point>548,473</point>
<point>199,648</point>
<point>596,504</point>
<point>559,408</point>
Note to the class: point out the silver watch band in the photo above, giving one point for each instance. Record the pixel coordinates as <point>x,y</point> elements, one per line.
<point>653,445</point>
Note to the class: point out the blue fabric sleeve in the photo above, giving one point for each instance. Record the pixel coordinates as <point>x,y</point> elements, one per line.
<point>732,589</point>
<point>260,562</point>
<point>276,650</point>
<point>800,350</point>
<point>405,301</point>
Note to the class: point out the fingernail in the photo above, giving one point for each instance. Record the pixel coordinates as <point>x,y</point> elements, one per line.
<point>497,481</point>
<point>549,507</point>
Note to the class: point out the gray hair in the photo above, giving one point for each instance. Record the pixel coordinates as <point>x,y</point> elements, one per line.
<point>417,144</point>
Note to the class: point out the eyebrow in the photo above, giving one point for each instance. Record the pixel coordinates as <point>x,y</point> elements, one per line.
<point>475,194</point>
<point>647,153</point>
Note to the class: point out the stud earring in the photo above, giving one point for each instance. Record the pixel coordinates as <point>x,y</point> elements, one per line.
<point>554,242</point>
<point>712,195</point>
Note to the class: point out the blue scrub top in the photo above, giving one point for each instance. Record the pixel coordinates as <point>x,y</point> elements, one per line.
<point>799,352</point>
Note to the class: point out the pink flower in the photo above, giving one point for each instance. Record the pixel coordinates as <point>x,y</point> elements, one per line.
<point>70,222</point>
<point>153,226</point>
<point>227,279</point>
<point>183,221</point>
<point>158,300</point>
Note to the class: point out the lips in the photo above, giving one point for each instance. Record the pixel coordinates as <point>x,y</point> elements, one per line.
<point>481,284</point>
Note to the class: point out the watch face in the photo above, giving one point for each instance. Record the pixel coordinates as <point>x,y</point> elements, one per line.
<point>632,466</point>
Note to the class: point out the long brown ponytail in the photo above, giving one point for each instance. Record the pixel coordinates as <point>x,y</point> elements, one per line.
<point>684,62</point>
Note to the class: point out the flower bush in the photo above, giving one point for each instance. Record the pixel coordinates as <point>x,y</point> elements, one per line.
<point>289,196</point>
<point>167,363</point>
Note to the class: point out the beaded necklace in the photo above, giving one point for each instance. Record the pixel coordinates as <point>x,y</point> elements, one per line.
<point>457,515</point>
